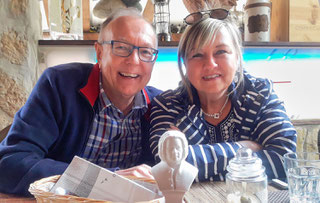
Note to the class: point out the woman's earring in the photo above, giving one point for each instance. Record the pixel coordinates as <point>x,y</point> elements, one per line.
<point>236,78</point>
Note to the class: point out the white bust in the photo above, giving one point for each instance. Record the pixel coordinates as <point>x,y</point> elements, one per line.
<point>173,174</point>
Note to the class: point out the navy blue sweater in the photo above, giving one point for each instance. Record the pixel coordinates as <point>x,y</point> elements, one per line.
<point>53,126</point>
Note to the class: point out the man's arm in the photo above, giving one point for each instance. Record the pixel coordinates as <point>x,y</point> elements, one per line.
<point>24,152</point>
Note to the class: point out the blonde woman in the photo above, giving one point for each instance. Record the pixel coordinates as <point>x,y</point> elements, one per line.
<point>220,107</point>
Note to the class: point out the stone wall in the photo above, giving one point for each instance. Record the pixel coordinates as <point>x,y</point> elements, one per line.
<point>308,135</point>
<point>20,31</point>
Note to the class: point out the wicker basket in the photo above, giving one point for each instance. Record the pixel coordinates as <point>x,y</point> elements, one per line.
<point>39,189</point>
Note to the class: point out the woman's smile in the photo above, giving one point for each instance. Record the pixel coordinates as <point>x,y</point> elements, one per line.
<point>211,77</point>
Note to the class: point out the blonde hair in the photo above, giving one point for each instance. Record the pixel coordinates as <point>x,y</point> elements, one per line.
<point>204,32</point>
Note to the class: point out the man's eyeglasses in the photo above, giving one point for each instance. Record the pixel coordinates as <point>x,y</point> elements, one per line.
<point>124,49</point>
<point>219,14</point>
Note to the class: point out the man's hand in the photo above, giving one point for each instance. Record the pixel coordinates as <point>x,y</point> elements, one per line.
<point>172,127</point>
<point>141,171</point>
<point>254,146</point>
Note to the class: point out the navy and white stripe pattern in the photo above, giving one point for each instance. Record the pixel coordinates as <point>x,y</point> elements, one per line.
<point>259,115</point>
<point>115,139</point>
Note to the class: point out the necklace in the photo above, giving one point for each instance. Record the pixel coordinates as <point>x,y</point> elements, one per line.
<point>216,115</point>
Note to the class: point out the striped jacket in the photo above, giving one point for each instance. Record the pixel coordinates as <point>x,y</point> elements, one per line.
<point>259,116</point>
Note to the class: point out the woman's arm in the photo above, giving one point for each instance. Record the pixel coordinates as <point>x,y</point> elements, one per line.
<point>210,159</point>
<point>254,146</point>
<point>276,134</point>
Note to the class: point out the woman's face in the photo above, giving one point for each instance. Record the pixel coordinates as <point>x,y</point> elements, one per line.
<point>211,69</point>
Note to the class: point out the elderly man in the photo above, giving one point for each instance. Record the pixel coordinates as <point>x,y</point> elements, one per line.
<point>98,112</point>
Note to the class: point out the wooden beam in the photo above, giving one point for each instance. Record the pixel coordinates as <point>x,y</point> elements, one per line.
<point>279,30</point>
<point>148,12</point>
<point>86,15</point>
<point>45,5</point>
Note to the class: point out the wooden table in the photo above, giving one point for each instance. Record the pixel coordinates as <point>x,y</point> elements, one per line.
<point>214,192</point>
<point>206,191</point>
<point>199,192</point>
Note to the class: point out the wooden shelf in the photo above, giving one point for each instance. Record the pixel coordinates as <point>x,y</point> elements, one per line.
<point>305,122</point>
<point>282,44</point>
<point>91,42</point>
<point>263,44</point>
<point>66,42</point>
<point>175,44</point>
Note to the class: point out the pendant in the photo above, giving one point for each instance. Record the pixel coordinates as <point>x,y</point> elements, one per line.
<point>216,115</point>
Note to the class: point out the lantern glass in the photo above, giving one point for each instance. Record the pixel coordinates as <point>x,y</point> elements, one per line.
<point>162,19</point>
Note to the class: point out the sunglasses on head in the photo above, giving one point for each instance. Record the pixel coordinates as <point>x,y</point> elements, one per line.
<point>219,14</point>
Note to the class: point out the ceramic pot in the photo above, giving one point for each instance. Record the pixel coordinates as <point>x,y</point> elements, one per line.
<point>257,20</point>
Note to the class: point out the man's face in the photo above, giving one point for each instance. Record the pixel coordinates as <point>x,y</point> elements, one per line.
<point>123,77</point>
<point>174,151</point>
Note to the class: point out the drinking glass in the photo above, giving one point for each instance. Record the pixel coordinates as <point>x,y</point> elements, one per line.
<point>303,174</point>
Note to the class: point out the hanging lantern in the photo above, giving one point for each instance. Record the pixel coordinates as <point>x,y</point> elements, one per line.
<point>162,19</point>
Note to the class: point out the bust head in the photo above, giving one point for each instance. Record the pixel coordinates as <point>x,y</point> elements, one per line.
<point>173,147</point>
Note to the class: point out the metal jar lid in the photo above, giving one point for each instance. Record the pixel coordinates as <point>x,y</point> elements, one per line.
<point>257,3</point>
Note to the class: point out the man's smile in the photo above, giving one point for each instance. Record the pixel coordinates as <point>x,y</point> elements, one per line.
<point>131,75</point>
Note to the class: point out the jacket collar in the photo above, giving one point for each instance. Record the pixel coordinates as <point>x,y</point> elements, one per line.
<point>91,89</point>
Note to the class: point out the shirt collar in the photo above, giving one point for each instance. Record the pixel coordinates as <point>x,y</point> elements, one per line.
<point>140,101</point>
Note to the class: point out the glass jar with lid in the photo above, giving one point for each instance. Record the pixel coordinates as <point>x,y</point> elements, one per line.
<point>246,179</point>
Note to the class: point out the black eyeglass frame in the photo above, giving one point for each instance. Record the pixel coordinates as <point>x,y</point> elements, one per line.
<point>209,12</point>
<point>155,51</point>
